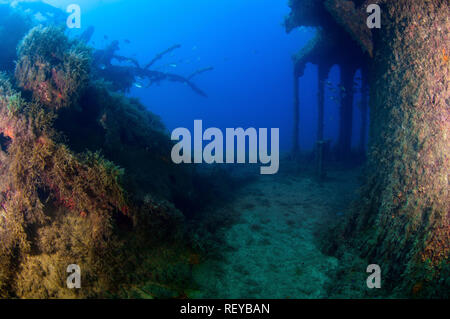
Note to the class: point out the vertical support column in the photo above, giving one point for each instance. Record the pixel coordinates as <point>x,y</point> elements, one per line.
<point>320,144</point>
<point>323,72</point>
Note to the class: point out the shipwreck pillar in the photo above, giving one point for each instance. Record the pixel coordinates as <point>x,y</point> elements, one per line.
<point>320,143</point>
<point>323,73</point>
<point>405,205</point>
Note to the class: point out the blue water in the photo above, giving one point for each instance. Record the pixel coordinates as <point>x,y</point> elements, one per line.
<point>245,42</point>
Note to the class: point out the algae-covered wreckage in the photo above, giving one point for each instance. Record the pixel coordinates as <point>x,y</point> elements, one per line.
<point>75,162</point>
<point>402,219</point>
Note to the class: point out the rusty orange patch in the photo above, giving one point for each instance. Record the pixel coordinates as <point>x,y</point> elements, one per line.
<point>444,55</point>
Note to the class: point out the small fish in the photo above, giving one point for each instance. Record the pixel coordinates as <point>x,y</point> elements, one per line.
<point>127,41</point>
<point>138,85</point>
<point>342,88</point>
<point>173,65</point>
<point>102,66</point>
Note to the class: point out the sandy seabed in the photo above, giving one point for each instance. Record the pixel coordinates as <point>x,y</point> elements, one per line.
<point>272,252</point>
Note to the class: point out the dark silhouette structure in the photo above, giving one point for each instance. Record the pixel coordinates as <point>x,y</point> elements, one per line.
<point>401,220</point>
<point>331,46</point>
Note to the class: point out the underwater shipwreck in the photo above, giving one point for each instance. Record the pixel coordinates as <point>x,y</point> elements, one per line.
<point>86,176</point>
